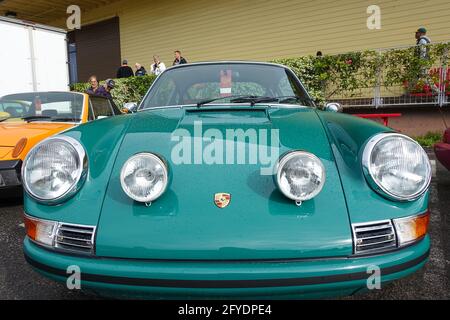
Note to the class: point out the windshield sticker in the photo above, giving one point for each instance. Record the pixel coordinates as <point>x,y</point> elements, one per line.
<point>225,83</point>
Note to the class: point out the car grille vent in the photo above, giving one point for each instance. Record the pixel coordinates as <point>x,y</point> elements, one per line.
<point>374,237</point>
<point>75,238</point>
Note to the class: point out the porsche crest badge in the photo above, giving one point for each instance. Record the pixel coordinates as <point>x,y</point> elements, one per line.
<point>222,200</point>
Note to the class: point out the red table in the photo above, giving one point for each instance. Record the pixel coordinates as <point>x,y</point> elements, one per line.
<point>384,116</point>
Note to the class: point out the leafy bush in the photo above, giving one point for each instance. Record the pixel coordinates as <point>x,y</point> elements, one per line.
<point>350,72</point>
<point>324,76</point>
<point>130,89</point>
<point>311,71</point>
<point>430,139</point>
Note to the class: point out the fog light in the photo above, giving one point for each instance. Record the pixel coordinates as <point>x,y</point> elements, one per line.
<point>41,231</point>
<point>411,229</point>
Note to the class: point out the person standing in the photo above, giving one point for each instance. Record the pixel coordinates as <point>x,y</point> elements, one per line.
<point>422,43</point>
<point>95,88</point>
<point>157,67</point>
<point>109,86</point>
<point>423,54</point>
<point>125,71</point>
<point>140,70</point>
<point>178,58</point>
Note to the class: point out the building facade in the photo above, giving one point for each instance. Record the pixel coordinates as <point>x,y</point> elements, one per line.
<point>207,30</point>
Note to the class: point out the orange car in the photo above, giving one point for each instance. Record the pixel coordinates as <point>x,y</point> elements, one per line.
<point>28,118</point>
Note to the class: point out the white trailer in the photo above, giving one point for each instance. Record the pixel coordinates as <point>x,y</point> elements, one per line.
<point>33,57</point>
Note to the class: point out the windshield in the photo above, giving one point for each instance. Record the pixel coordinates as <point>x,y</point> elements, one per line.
<point>42,106</point>
<point>225,83</point>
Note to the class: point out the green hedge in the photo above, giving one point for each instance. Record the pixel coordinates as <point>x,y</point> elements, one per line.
<point>329,74</point>
<point>130,89</point>
<point>350,72</point>
<point>430,139</point>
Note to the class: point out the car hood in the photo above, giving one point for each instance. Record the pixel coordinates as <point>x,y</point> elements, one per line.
<point>259,223</point>
<point>12,132</point>
<point>5,152</point>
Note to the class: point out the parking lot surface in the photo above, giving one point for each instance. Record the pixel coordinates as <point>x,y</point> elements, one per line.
<point>19,281</point>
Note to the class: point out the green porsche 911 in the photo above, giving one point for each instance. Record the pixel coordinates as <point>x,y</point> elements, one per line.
<point>227,182</point>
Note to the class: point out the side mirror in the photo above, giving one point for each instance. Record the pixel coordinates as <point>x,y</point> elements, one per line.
<point>333,107</point>
<point>130,107</point>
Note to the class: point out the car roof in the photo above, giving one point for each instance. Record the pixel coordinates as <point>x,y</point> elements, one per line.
<point>202,63</point>
<point>38,93</point>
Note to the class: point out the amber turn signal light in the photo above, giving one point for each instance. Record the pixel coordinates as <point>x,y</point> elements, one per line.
<point>30,227</point>
<point>411,229</point>
<point>41,231</point>
<point>19,147</point>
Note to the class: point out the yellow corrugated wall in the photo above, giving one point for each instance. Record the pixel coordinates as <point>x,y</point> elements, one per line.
<point>266,29</point>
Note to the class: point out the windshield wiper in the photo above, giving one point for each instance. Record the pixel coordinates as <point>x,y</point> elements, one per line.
<point>66,119</point>
<point>286,99</point>
<point>253,100</point>
<point>35,118</point>
<point>203,102</point>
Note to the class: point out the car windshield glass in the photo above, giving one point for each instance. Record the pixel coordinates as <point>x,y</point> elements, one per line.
<point>43,106</point>
<point>226,83</point>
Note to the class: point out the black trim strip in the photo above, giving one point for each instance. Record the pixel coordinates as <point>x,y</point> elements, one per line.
<point>10,165</point>
<point>222,109</point>
<point>227,284</point>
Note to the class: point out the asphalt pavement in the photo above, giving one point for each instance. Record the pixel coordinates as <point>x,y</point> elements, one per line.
<point>19,281</point>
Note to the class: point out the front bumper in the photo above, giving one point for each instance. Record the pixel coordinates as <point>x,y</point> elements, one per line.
<point>310,278</point>
<point>10,174</point>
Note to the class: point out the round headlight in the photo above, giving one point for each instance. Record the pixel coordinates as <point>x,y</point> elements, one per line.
<point>54,170</point>
<point>396,166</point>
<point>300,175</point>
<point>144,177</point>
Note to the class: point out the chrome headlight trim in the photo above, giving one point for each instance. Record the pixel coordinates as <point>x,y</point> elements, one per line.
<point>154,157</point>
<point>368,169</point>
<point>82,170</point>
<point>290,155</point>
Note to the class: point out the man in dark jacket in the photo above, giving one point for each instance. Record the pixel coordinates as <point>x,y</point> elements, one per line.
<point>178,58</point>
<point>109,86</point>
<point>125,71</point>
<point>140,70</point>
